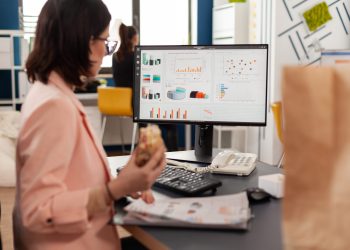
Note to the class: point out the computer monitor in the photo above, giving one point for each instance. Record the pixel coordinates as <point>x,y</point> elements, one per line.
<point>202,85</point>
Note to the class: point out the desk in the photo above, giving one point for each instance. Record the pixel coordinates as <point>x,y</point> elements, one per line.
<point>264,232</point>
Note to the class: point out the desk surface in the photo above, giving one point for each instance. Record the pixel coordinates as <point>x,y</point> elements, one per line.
<point>265,228</point>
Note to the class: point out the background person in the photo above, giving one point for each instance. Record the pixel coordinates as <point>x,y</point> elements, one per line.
<point>123,59</point>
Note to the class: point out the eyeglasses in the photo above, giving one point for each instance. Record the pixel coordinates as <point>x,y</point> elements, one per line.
<point>110,45</point>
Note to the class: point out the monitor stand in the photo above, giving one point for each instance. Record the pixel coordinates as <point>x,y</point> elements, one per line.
<point>203,153</point>
<point>203,145</point>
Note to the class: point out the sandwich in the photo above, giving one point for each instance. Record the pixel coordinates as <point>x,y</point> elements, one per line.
<point>150,139</point>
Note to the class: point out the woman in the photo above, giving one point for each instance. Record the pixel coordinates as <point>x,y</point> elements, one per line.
<point>123,59</point>
<point>64,188</point>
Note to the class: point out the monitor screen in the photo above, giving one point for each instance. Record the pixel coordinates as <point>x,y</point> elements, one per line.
<point>219,84</point>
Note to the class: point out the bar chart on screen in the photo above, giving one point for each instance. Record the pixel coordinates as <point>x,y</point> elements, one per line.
<point>162,113</point>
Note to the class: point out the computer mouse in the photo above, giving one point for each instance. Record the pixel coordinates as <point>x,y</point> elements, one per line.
<point>257,195</point>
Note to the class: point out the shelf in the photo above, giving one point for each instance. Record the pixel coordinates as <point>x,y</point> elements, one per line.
<point>12,32</point>
<point>10,102</point>
<point>18,67</point>
<point>9,51</point>
<point>6,101</point>
<point>13,67</point>
<point>89,96</point>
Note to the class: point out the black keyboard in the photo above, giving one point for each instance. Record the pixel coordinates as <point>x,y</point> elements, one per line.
<point>185,182</point>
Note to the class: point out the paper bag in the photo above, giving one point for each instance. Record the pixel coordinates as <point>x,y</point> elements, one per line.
<point>316,207</point>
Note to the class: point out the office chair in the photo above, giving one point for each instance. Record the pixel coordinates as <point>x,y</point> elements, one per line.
<point>276,108</point>
<point>116,101</point>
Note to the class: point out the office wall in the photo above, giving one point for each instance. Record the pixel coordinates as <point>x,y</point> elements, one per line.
<point>9,14</point>
<point>293,44</point>
<point>296,42</point>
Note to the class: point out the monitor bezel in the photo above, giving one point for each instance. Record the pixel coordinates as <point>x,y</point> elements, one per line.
<point>136,91</point>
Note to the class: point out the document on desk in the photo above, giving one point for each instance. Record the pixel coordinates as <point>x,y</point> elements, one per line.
<point>228,211</point>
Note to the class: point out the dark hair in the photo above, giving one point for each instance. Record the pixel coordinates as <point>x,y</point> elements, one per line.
<point>62,39</point>
<point>126,34</point>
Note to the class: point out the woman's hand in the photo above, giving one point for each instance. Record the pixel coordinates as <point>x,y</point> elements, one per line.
<point>134,179</point>
<point>146,196</point>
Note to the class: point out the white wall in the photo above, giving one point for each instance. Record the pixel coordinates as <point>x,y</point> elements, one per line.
<point>287,27</point>
<point>331,36</point>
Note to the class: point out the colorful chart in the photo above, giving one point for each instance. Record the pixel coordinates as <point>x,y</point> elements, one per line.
<point>198,95</point>
<point>189,65</point>
<point>168,114</point>
<point>146,78</point>
<point>149,94</point>
<point>177,94</point>
<point>207,114</point>
<point>145,58</point>
<point>238,68</point>
<point>156,78</point>
<point>189,70</point>
<point>222,89</point>
<point>236,92</point>
<point>150,60</point>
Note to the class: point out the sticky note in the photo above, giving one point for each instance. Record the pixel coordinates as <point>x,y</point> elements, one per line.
<point>317,16</point>
<point>237,1</point>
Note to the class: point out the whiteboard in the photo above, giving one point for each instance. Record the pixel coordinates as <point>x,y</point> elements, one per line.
<point>297,43</point>
<point>294,43</point>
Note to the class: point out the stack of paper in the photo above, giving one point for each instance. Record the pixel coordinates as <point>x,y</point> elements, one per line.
<point>229,211</point>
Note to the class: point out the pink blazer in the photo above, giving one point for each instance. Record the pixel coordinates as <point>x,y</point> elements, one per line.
<point>58,160</point>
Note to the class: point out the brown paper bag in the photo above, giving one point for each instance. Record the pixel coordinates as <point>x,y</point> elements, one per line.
<point>316,207</point>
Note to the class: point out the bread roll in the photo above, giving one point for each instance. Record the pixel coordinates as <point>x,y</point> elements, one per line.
<point>150,139</point>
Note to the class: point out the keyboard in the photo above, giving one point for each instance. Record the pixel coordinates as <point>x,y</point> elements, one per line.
<point>185,182</point>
